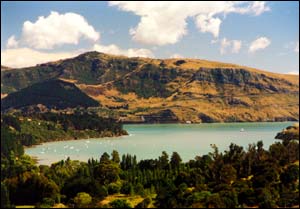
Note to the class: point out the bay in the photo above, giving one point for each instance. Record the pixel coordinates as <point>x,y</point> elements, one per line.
<point>147,141</point>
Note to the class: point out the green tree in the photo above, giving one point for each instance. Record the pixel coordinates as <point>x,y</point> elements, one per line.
<point>113,188</point>
<point>144,204</point>
<point>104,158</point>
<point>175,160</point>
<point>164,160</point>
<point>82,199</point>
<point>120,203</point>
<point>127,188</point>
<point>228,174</point>
<point>115,156</point>
<point>5,203</point>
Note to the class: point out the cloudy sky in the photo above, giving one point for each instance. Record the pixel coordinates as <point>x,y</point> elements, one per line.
<point>261,34</point>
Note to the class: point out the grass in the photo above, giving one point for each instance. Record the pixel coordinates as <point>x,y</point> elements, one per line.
<point>133,200</point>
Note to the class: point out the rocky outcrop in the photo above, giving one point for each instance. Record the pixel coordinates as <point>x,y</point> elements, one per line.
<point>289,133</point>
<point>164,116</point>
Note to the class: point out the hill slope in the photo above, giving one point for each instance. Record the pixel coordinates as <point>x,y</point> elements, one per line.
<point>52,93</point>
<point>185,89</point>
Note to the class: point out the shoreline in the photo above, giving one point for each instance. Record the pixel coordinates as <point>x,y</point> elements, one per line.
<point>74,139</point>
<point>145,123</point>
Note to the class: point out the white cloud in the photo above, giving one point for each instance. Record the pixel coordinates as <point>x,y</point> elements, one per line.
<point>114,49</point>
<point>258,44</point>
<point>297,47</point>
<point>57,29</point>
<point>176,56</point>
<point>25,57</point>
<point>293,73</point>
<point>255,8</point>
<point>208,24</point>
<point>236,46</point>
<point>12,42</point>
<point>233,46</point>
<point>258,7</point>
<point>164,23</point>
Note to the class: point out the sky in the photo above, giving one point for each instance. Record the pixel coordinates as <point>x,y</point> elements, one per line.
<point>259,34</point>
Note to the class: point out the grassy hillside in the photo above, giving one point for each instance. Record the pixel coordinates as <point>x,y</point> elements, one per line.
<point>194,90</point>
<point>54,94</point>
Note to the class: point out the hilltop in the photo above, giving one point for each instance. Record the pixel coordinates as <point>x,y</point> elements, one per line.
<point>54,94</point>
<point>151,90</point>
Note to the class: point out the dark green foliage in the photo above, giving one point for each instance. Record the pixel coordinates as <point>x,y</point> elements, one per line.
<point>144,204</point>
<point>235,178</point>
<point>113,188</point>
<point>290,175</point>
<point>120,204</point>
<point>54,94</point>
<point>5,202</point>
<point>115,156</point>
<point>149,81</point>
<point>10,142</point>
<point>175,160</point>
<point>127,188</point>
<point>38,186</point>
<point>45,127</point>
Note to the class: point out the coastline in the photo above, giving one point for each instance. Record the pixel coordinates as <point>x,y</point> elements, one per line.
<point>75,139</point>
<point>216,122</point>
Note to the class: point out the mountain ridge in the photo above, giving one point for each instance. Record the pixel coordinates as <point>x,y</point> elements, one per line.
<point>193,90</point>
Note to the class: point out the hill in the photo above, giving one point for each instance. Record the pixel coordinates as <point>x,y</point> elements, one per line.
<point>54,94</point>
<point>137,89</point>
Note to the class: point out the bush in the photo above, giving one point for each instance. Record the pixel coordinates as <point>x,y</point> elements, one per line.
<point>82,199</point>
<point>120,204</point>
<point>127,188</point>
<point>113,188</point>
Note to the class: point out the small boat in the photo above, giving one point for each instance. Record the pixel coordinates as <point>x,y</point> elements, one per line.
<point>242,130</point>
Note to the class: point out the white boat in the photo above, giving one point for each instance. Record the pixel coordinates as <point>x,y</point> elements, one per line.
<point>242,130</point>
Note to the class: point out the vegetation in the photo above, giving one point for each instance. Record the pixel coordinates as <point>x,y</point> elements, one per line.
<point>194,90</point>
<point>54,94</point>
<point>235,178</point>
<point>18,130</point>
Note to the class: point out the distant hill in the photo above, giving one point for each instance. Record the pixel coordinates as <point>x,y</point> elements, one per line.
<point>193,90</point>
<point>3,68</point>
<point>54,94</point>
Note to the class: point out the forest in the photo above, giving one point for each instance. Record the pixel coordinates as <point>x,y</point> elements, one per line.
<point>237,177</point>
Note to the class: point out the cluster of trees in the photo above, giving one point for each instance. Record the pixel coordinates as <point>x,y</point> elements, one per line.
<point>235,178</point>
<point>18,130</point>
<point>82,121</point>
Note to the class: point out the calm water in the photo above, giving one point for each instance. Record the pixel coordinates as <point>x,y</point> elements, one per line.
<point>148,141</point>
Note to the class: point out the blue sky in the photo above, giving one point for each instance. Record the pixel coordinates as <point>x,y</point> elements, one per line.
<point>264,35</point>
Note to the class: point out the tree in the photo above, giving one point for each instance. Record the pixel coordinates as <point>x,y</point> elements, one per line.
<point>103,192</point>
<point>144,204</point>
<point>127,188</point>
<point>228,174</point>
<point>120,203</point>
<point>290,175</point>
<point>5,203</point>
<point>139,189</point>
<point>104,158</point>
<point>113,188</point>
<point>214,201</point>
<point>82,199</point>
<point>164,160</point>
<point>115,156</point>
<point>107,172</point>
<point>175,160</point>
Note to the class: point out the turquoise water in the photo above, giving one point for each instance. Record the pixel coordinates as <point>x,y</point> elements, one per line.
<point>148,141</point>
